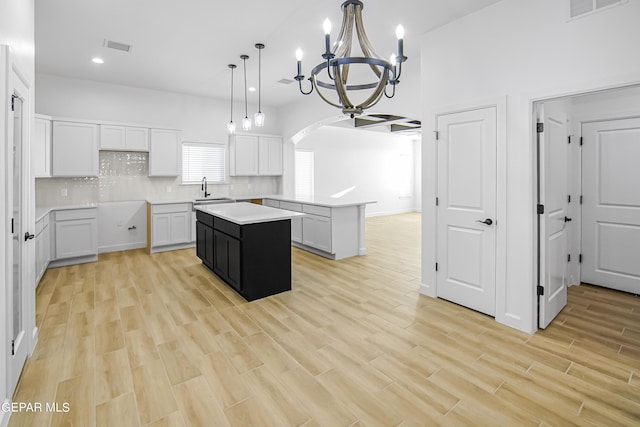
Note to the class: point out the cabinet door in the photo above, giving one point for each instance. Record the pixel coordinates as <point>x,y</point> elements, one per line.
<point>136,139</point>
<point>270,156</point>
<point>76,238</point>
<point>164,153</point>
<point>39,256</point>
<point>112,137</point>
<point>160,229</point>
<point>75,149</point>
<point>41,148</point>
<point>234,262</point>
<point>296,229</point>
<point>180,227</point>
<point>316,232</point>
<point>245,150</point>
<point>204,244</point>
<point>220,254</point>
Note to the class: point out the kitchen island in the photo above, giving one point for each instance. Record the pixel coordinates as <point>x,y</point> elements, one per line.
<point>333,227</point>
<point>247,245</point>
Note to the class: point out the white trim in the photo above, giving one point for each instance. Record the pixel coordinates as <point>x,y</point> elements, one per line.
<point>122,247</point>
<point>5,416</point>
<point>386,213</point>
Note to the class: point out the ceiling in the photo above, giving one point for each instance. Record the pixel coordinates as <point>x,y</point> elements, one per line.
<point>185,46</point>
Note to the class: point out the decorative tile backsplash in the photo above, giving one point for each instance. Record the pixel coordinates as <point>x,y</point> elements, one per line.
<point>124,176</point>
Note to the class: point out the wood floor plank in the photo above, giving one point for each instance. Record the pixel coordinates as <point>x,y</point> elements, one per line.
<point>198,405</point>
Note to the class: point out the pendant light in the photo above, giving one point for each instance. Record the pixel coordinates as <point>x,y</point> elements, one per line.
<point>258,118</point>
<point>246,122</point>
<point>231,127</point>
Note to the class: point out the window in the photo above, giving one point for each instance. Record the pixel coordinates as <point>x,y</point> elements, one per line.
<point>304,172</point>
<point>203,159</point>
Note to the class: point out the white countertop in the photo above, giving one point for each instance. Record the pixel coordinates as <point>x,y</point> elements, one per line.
<point>42,211</point>
<point>327,201</point>
<point>247,213</point>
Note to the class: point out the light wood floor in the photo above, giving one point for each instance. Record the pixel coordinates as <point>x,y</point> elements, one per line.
<point>158,340</point>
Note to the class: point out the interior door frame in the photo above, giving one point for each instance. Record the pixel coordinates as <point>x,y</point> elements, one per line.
<point>16,81</point>
<point>430,175</point>
<point>576,129</point>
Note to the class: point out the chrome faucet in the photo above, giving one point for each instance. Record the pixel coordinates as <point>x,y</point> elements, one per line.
<point>204,187</point>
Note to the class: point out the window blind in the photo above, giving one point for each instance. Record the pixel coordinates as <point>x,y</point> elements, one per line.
<point>304,172</point>
<point>203,160</point>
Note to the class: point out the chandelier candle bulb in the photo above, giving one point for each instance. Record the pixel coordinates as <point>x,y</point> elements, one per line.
<point>327,38</point>
<point>400,36</point>
<point>299,59</point>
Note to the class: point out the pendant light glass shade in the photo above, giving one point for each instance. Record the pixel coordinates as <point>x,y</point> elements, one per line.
<point>246,122</point>
<point>231,126</point>
<point>258,118</point>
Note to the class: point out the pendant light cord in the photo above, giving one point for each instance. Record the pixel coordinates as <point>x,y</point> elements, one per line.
<point>231,121</point>
<point>259,80</point>
<point>244,62</point>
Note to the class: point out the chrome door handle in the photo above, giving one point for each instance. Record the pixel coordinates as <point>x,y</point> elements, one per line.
<point>487,221</point>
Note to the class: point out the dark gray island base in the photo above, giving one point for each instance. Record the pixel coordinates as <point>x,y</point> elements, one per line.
<point>253,258</point>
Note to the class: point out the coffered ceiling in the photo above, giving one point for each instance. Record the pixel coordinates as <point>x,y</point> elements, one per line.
<point>184,46</point>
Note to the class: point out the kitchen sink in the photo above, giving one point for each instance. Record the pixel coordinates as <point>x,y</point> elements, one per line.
<point>213,200</point>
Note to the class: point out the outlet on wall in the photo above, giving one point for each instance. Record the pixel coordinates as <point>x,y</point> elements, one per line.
<point>64,192</point>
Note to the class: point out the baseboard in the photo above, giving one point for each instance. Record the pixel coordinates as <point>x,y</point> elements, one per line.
<point>172,247</point>
<point>72,261</point>
<point>122,247</point>
<point>386,213</point>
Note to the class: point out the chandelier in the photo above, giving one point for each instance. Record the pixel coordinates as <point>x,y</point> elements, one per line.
<point>338,60</point>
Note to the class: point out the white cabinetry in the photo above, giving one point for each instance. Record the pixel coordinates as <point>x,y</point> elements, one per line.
<point>243,155</point>
<point>171,226</point>
<point>269,155</point>
<point>75,149</point>
<point>124,138</point>
<point>255,155</point>
<point>76,233</point>
<point>165,153</point>
<point>41,147</point>
<point>316,232</point>
<point>43,246</point>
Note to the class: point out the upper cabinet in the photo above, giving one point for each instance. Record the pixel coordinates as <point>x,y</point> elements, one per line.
<point>124,138</point>
<point>41,147</point>
<point>74,149</point>
<point>255,155</point>
<point>270,155</point>
<point>165,153</point>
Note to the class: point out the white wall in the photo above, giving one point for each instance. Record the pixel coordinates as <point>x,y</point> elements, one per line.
<point>523,50</point>
<point>201,119</point>
<point>365,159</point>
<point>16,31</point>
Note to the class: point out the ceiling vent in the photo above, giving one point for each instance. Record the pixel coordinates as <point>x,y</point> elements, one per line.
<point>579,8</point>
<point>285,81</point>
<point>117,46</point>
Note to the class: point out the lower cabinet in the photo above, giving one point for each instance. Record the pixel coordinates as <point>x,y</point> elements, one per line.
<point>227,258</point>
<point>204,243</point>
<point>76,233</point>
<point>316,232</point>
<point>253,259</point>
<point>296,230</point>
<point>170,226</point>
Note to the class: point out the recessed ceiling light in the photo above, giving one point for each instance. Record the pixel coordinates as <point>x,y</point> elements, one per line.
<point>97,60</point>
<point>252,89</point>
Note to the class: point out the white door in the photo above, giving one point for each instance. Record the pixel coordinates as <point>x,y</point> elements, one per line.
<point>611,204</point>
<point>553,187</point>
<point>466,248</point>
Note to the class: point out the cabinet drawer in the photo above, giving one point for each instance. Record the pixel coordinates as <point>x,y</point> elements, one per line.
<point>227,227</point>
<point>297,207</point>
<point>204,218</point>
<point>270,202</point>
<point>72,214</point>
<point>170,208</point>
<point>317,210</point>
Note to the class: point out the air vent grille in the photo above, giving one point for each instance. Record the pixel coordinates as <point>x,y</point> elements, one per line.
<point>117,45</point>
<point>579,8</point>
